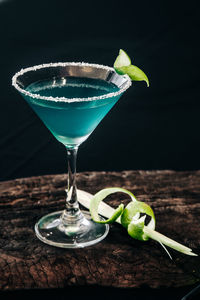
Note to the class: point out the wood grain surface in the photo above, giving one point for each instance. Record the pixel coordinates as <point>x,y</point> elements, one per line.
<point>118,261</point>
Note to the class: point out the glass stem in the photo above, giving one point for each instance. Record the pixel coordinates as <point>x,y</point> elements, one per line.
<point>72,213</point>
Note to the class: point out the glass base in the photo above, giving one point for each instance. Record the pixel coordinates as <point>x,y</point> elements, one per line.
<point>51,230</point>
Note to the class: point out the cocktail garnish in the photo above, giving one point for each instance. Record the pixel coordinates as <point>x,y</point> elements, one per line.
<point>132,217</point>
<point>122,65</point>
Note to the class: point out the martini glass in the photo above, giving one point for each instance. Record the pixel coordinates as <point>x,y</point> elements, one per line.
<point>71,99</point>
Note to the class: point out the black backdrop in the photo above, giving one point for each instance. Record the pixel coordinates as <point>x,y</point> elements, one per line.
<point>149,128</point>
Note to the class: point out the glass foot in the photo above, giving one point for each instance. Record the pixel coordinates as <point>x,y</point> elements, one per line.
<point>51,230</point>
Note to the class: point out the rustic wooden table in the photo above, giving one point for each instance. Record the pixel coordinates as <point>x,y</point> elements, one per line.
<point>118,261</point>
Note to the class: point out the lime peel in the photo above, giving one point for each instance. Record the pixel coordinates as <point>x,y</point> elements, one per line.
<point>129,217</point>
<point>98,197</point>
<point>122,65</point>
<point>136,229</point>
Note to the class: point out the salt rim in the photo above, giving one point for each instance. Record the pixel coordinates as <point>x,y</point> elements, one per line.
<point>64,99</point>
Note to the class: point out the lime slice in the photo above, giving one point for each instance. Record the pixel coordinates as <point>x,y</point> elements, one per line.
<point>122,65</point>
<point>122,60</point>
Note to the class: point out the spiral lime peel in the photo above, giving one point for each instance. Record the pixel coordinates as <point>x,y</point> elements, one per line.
<point>132,217</point>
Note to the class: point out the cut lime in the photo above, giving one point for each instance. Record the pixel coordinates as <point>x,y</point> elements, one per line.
<point>122,60</point>
<point>122,65</point>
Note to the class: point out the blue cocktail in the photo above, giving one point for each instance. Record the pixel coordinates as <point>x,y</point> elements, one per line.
<point>73,121</point>
<point>71,99</point>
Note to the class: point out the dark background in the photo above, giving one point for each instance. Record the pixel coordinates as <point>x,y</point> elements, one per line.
<point>149,128</point>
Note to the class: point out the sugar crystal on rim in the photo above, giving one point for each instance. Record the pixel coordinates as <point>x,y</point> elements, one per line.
<point>64,99</point>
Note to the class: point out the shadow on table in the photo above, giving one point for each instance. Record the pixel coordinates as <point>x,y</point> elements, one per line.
<point>91,293</point>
